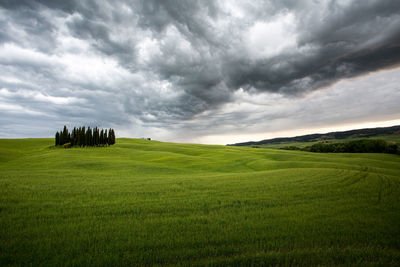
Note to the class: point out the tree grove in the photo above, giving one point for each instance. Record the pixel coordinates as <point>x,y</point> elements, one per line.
<point>83,136</point>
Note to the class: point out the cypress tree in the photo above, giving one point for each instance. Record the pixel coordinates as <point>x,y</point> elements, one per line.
<point>101,141</point>
<point>61,138</point>
<point>112,136</point>
<point>87,136</point>
<point>96,136</point>
<point>83,136</point>
<point>109,137</point>
<point>73,137</point>
<point>57,138</point>
<point>65,135</point>
<point>78,134</point>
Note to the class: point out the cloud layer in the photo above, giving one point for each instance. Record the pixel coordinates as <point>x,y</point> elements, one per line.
<point>165,68</point>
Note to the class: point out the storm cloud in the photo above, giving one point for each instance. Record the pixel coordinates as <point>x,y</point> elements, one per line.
<point>176,68</point>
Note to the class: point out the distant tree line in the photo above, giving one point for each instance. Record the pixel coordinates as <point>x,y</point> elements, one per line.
<point>83,136</point>
<point>361,133</point>
<point>355,146</point>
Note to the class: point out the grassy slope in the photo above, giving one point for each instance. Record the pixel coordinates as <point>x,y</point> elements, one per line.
<point>146,202</point>
<point>395,138</point>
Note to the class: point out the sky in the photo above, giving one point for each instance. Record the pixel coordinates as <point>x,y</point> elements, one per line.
<point>208,71</point>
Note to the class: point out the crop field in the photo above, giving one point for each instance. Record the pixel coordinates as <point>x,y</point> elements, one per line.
<point>144,202</point>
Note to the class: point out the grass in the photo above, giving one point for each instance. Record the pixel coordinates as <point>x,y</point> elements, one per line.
<point>152,203</point>
<point>392,138</point>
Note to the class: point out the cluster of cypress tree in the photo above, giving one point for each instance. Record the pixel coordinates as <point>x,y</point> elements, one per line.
<point>85,137</point>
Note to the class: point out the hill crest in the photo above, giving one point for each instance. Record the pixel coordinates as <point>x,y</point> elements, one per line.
<point>358,133</point>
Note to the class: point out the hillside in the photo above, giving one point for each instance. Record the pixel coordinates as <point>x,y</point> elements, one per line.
<point>388,133</point>
<point>143,202</point>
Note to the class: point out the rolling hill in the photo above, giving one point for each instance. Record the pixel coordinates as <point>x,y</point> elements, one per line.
<point>386,133</point>
<point>143,202</point>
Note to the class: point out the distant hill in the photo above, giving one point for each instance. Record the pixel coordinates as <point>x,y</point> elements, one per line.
<point>360,133</point>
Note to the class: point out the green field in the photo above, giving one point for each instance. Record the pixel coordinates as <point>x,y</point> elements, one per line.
<point>147,203</point>
<point>392,138</point>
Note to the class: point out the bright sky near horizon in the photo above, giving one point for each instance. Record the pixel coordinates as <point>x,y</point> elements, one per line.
<point>213,72</point>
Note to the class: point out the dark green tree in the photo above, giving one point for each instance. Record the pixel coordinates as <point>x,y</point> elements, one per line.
<point>109,137</point>
<point>101,141</point>
<point>105,137</point>
<point>88,136</point>
<point>61,138</point>
<point>57,139</point>
<point>65,135</point>
<point>78,135</point>
<point>73,137</point>
<point>96,135</point>
<point>85,137</point>
<point>112,137</point>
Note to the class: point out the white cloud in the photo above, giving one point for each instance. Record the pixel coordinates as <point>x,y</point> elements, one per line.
<point>91,69</point>
<point>40,97</point>
<point>9,109</point>
<point>148,48</point>
<point>269,38</point>
<point>13,54</point>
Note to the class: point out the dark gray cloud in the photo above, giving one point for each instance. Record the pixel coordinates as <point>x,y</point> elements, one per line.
<point>165,63</point>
